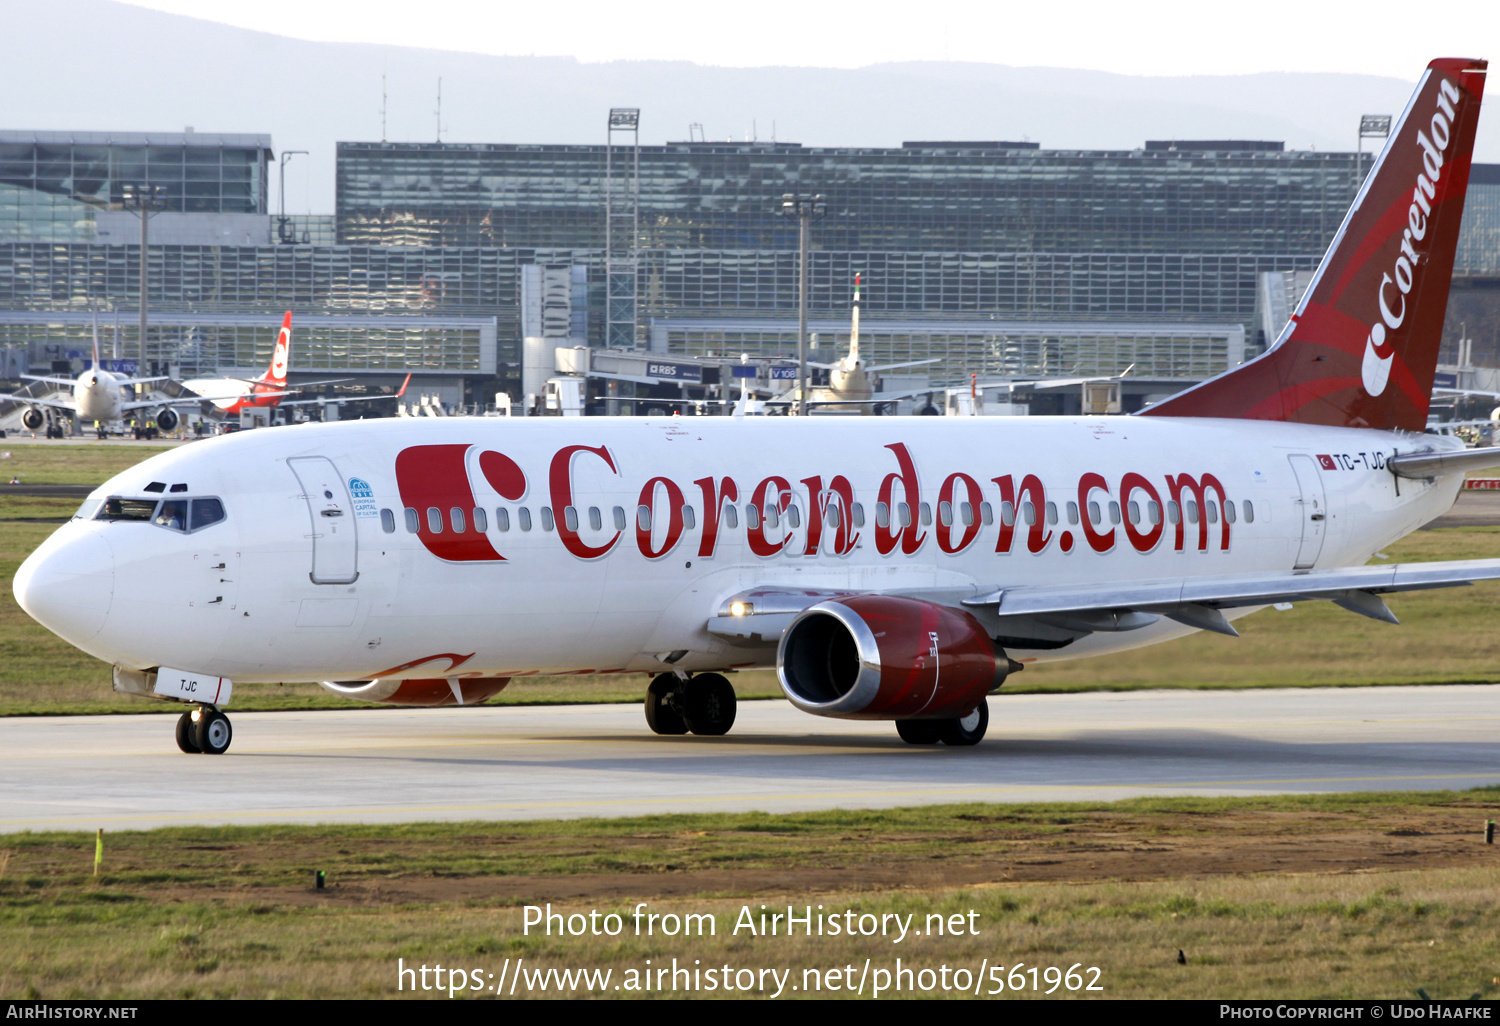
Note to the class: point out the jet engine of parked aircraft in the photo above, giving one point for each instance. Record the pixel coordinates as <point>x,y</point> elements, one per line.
<point>33,419</point>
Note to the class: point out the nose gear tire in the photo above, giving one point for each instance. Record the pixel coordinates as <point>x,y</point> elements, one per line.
<point>187,734</point>
<point>214,733</point>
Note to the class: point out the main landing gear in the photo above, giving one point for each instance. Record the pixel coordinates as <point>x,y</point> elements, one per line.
<point>203,730</point>
<point>703,704</point>
<point>964,731</point>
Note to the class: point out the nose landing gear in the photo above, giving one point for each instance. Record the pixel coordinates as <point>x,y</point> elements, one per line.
<point>704,704</point>
<point>204,730</point>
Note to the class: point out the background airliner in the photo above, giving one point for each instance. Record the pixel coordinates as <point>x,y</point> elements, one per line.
<point>889,568</point>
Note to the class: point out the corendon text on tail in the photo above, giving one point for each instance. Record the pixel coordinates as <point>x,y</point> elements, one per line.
<point>893,569</point>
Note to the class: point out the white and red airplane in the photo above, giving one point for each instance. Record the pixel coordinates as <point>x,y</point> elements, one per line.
<point>234,395</point>
<point>888,568</point>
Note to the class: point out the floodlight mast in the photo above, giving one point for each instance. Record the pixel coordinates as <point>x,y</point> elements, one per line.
<point>143,200</point>
<point>805,209</point>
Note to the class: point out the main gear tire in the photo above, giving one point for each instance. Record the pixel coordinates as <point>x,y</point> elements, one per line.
<point>661,701</point>
<point>966,730</point>
<point>187,734</point>
<point>709,705</point>
<point>214,732</point>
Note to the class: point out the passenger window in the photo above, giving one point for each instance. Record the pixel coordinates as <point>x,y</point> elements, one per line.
<point>689,517</point>
<point>1153,512</point>
<point>832,519</point>
<point>481,520</point>
<point>1114,512</point>
<point>1174,515</point>
<point>387,521</point>
<point>1229,511</point>
<point>619,515</point>
<point>1028,513</point>
<point>434,520</point>
<point>412,526</point>
<point>643,518</point>
<point>1133,510</point>
<point>456,520</point>
<point>859,515</point>
<point>903,514</point>
<point>794,515</point>
<point>211,511</point>
<point>547,524</point>
<point>926,511</point>
<point>523,517</point>
<point>1072,512</point>
<point>773,516</point>
<point>596,521</point>
<point>966,514</point>
<point>1212,509</point>
<point>502,518</point>
<point>882,515</point>
<point>732,516</point>
<point>1051,512</point>
<point>986,514</point>
<point>173,515</point>
<point>1096,516</point>
<point>570,517</point>
<point>752,516</point>
<point>1008,514</point>
<point>1249,512</point>
<point>116,508</point>
<point>945,514</point>
<point>1192,511</point>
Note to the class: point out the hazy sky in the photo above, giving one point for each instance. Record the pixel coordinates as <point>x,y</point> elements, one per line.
<point>1158,37</point>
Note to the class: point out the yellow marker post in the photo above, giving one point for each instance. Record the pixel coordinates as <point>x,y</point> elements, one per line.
<point>98,850</point>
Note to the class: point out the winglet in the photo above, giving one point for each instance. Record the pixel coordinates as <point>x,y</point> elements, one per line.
<point>402,391</point>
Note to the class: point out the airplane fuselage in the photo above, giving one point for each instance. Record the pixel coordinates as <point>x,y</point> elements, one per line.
<point>97,396</point>
<point>348,550</point>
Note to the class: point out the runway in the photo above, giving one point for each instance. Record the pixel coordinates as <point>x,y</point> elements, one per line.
<point>387,765</point>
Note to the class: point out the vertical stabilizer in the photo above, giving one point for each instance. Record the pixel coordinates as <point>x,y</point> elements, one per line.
<point>281,355</point>
<point>1362,348</point>
<point>854,326</point>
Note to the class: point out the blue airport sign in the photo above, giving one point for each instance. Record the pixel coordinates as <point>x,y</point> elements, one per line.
<point>675,371</point>
<point>1445,380</point>
<point>783,373</point>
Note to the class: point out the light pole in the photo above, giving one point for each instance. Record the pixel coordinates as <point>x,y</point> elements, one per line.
<point>281,232</point>
<point>1371,126</point>
<point>805,209</point>
<point>143,200</point>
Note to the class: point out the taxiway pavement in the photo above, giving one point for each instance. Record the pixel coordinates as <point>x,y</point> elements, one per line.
<point>392,765</point>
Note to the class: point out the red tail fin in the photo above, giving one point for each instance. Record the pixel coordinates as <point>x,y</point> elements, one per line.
<point>281,354</point>
<point>1362,349</point>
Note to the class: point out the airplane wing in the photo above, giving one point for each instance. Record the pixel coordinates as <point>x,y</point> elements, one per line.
<point>57,404</point>
<point>1072,610</point>
<point>324,401</point>
<point>908,363</point>
<point>69,382</point>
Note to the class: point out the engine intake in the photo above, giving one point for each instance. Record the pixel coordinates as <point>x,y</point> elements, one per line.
<point>33,418</point>
<point>166,419</point>
<point>880,657</point>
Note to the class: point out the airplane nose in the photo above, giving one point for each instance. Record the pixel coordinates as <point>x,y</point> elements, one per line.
<point>68,584</point>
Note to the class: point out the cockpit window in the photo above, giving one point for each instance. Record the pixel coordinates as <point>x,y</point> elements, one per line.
<point>172,515</point>
<point>185,515</point>
<point>206,511</point>
<point>88,509</point>
<point>116,508</point>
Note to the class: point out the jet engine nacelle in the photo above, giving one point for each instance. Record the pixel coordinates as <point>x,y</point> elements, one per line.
<point>166,419</point>
<point>422,691</point>
<point>880,657</point>
<point>33,418</point>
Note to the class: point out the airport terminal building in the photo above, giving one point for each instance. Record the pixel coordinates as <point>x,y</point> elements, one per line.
<point>992,258</point>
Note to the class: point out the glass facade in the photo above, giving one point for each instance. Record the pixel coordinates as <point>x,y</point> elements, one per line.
<point>942,198</point>
<point>52,182</point>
